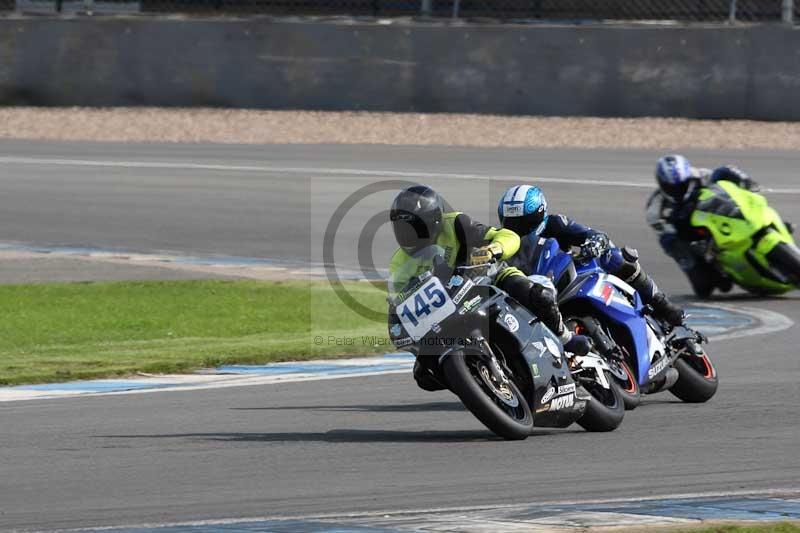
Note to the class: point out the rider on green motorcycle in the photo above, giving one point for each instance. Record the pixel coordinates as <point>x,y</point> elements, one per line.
<point>523,209</point>
<point>419,221</point>
<point>669,212</point>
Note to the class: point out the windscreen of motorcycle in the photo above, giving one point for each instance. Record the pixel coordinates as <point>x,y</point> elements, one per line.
<point>409,270</point>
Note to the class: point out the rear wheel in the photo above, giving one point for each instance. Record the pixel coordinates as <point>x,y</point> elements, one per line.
<point>501,407</point>
<point>606,409</point>
<point>697,379</point>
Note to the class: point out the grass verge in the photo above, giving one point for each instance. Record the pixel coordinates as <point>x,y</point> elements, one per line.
<point>66,331</point>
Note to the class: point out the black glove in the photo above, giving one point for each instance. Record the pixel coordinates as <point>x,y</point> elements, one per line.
<point>595,245</point>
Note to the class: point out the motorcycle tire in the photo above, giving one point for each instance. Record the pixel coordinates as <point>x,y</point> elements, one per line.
<point>786,259</point>
<point>697,380</point>
<point>605,410</point>
<point>629,390</point>
<point>482,403</point>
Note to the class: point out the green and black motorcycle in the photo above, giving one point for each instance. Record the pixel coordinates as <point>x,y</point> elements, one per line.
<point>747,239</point>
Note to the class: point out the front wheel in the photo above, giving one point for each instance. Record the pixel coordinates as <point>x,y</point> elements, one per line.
<point>605,409</point>
<point>697,379</point>
<point>786,259</point>
<point>501,407</point>
<point>628,387</point>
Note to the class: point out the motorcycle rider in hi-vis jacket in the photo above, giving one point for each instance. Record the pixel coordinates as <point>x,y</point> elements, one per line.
<point>419,221</point>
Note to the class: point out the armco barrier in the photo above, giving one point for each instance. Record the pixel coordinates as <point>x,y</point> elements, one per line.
<point>731,72</point>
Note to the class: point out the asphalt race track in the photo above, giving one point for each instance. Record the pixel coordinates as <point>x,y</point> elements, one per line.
<point>360,444</point>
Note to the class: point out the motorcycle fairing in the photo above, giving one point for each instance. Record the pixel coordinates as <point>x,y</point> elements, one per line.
<point>744,229</point>
<point>552,262</point>
<point>610,296</point>
<point>546,365</point>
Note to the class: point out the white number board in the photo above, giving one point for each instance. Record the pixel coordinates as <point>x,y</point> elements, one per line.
<point>429,305</point>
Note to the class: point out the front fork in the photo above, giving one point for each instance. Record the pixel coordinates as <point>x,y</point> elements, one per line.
<point>498,373</point>
<point>606,347</point>
<point>691,350</point>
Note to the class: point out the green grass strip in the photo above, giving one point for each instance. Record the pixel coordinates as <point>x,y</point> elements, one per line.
<point>65,331</point>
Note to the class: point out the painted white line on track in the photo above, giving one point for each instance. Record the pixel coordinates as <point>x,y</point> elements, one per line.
<point>190,382</point>
<point>342,172</point>
<point>667,496</point>
<point>460,509</point>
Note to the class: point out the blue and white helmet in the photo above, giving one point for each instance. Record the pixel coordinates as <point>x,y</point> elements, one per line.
<point>523,209</point>
<point>673,174</point>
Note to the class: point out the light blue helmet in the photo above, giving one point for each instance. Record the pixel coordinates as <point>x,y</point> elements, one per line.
<point>523,209</point>
<point>673,173</point>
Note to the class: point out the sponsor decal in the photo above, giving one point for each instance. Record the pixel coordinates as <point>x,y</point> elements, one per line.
<point>469,305</point>
<point>535,370</point>
<point>436,328</point>
<point>455,281</point>
<point>513,210</point>
<point>463,291</point>
<point>405,341</point>
<point>549,394</point>
<point>566,389</point>
<point>607,293</point>
<point>541,347</point>
<point>552,347</point>
<point>396,330</point>
<point>562,402</point>
<point>512,322</point>
<point>657,368</point>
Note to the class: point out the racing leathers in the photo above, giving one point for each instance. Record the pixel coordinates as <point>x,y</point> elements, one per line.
<point>685,244</point>
<point>462,239</point>
<point>621,262</point>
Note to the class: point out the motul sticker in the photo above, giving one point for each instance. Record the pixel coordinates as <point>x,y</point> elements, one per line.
<point>562,402</point>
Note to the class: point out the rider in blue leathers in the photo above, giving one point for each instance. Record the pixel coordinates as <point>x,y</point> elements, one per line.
<point>523,209</point>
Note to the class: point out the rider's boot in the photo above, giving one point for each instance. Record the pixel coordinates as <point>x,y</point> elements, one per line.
<point>625,264</point>
<point>576,344</point>
<point>663,308</point>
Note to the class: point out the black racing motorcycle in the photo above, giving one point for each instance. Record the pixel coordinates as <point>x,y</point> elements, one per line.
<point>505,366</point>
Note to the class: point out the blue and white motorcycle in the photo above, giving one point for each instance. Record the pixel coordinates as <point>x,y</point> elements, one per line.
<point>645,354</point>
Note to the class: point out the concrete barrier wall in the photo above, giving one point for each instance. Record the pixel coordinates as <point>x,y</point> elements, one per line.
<point>729,72</point>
